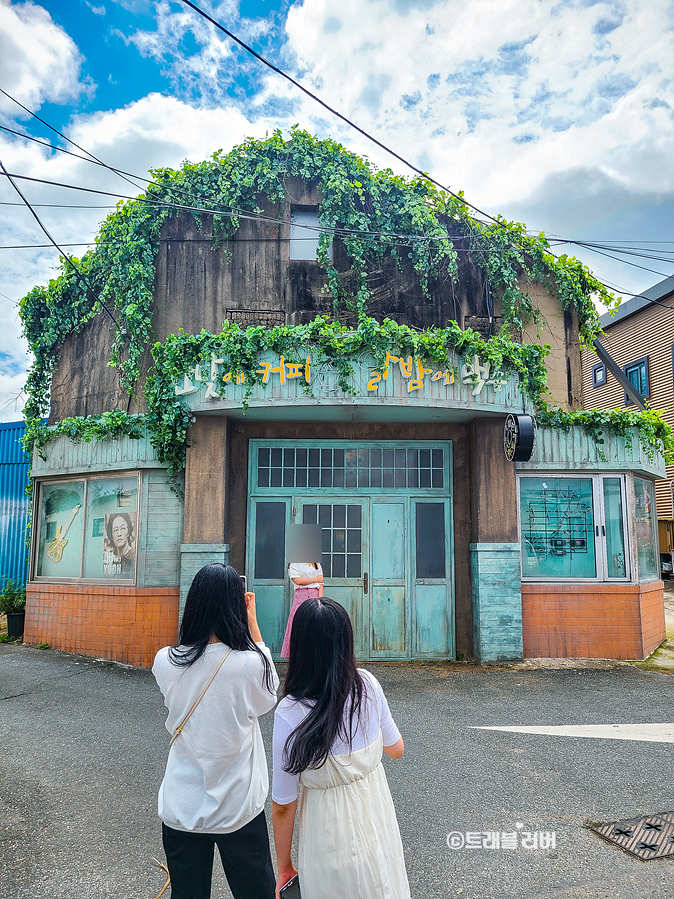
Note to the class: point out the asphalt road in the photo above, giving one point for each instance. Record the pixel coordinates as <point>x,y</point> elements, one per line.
<point>82,750</point>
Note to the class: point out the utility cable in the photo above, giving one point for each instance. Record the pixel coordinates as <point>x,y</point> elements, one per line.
<point>331,109</point>
<point>93,159</point>
<point>78,273</point>
<point>60,134</point>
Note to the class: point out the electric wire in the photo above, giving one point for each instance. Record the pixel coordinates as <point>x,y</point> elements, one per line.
<point>592,246</point>
<point>78,273</point>
<point>60,134</point>
<point>334,111</point>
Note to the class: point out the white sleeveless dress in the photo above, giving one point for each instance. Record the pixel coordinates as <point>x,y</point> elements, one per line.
<point>349,842</point>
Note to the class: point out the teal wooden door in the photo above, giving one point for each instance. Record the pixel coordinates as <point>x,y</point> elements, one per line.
<point>344,523</point>
<point>385,510</point>
<point>266,563</point>
<point>388,579</point>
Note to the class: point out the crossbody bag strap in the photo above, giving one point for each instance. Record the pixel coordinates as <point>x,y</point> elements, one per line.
<point>179,729</point>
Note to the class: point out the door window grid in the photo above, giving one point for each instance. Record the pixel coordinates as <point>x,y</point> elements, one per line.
<point>350,468</point>
<point>342,537</point>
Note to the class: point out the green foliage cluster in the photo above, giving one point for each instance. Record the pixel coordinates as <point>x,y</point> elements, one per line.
<point>328,341</point>
<point>92,427</point>
<point>375,212</point>
<point>655,435</point>
<point>12,596</point>
<point>512,257</point>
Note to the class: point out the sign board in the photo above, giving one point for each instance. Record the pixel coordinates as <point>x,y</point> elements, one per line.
<point>403,381</point>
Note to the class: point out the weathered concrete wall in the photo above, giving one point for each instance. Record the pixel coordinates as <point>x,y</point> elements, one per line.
<point>251,279</point>
<point>559,330</point>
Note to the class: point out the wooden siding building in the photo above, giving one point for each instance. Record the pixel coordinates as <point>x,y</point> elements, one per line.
<point>640,338</point>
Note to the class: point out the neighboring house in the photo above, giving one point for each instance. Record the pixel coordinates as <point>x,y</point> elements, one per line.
<point>14,503</point>
<point>640,338</point>
<point>437,543</point>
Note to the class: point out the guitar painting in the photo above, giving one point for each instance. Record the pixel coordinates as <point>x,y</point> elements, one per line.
<point>58,544</point>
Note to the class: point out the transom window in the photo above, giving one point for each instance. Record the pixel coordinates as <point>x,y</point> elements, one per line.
<point>350,468</point>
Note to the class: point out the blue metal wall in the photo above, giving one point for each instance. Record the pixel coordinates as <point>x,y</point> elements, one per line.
<point>14,504</point>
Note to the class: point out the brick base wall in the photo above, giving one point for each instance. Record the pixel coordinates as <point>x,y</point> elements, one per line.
<point>592,621</point>
<point>127,624</point>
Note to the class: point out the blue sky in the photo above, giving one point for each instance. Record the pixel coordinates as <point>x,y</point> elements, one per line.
<point>557,113</point>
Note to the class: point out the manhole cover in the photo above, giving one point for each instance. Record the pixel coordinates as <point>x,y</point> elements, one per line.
<point>647,838</point>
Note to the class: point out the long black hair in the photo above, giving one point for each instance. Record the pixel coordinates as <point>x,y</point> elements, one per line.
<point>321,667</point>
<point>215,607</point>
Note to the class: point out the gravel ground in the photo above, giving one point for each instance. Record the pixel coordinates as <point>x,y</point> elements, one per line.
<point>83,746</point>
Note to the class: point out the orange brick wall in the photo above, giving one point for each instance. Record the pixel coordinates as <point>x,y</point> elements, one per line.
<point>127,624</point>
<point>592,621</point>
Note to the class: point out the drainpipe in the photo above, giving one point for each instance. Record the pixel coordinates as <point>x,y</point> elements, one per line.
<point>619,375</point>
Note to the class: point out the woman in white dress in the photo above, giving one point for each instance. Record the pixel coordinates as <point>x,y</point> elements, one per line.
<point>329,732</point>
<point>307,578</point>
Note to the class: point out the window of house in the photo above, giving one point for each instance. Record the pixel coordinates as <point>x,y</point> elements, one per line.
<point>87,529</point>
<point>637,374</point>
<point>573,527</point>
<point>646,528</point>
<point>598,375</point>
<point>304,234</point>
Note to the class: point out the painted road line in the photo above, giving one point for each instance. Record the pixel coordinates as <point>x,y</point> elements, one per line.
<point>652,733</point>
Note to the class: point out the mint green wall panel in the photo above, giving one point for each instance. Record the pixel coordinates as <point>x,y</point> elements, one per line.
<point>272,616</point>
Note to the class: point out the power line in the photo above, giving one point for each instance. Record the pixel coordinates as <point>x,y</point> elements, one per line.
<point>228,213</point>
<point>334,111</point>
<point>592,246</point>
<point>78,273</point>
<point>60,134</point>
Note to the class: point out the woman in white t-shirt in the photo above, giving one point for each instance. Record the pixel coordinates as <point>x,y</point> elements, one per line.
<point>216,780</point>
<point>308,580</point>
<point>330,730</point>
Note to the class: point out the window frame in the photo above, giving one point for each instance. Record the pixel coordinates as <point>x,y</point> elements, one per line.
<point>600,367</point>
<point>600,544</point>
<point>37,513</point>
<point>305,210</point>
<point>635,364</point>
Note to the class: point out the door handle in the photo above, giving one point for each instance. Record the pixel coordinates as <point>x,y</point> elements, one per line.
<point>365,582</point>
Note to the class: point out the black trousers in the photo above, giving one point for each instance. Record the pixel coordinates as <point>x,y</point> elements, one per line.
<point>245,857</point>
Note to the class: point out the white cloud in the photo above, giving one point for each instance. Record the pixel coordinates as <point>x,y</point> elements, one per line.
<point>154,132</point>
<point>553,112</point>
<point>38,60</point>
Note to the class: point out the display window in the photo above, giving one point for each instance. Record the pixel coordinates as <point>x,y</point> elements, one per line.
<point>573,528</point>
<point>646,528</point>
<point>87,529</point>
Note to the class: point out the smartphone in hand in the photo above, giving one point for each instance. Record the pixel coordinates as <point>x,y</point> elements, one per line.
<point>245,583</point>
<point>291,890</point>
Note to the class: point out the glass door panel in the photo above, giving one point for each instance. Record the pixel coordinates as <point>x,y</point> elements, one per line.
<point>433,627</point>
<point>266,563</point>
<point>344,526</point>
<point>615,528</point>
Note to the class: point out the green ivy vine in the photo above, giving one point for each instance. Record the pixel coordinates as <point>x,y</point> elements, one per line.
<point>328,341</point>
<point>375,212</point>
<point>655,435</point>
